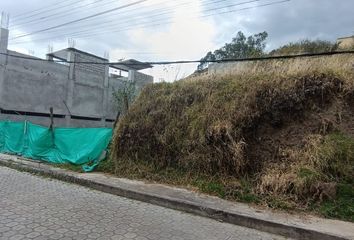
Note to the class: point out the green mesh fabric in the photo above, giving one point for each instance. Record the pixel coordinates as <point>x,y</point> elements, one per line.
<point>76,146</point>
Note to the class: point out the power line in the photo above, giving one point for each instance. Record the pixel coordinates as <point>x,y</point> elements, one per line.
<point>162,11</point>
<point>36,13</point>
<point>188,61</point>
<point>158,21</point>
<point>209,15</point>
<point>173,9</point>
<point>247,8</point>
<point>81,19</point>
<point>61,14</point>
<point>67,14</point>
<point>82,34</point>
<point>38,9</point>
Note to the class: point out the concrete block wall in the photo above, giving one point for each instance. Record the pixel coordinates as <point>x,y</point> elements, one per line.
<point>86,87</point>
<point>29,88</point>
<point>58,121</point>
<point>114,85</point>
<point>142,79</point>
<point>81,94</point>
<point>91,68</point>
<point>87,101</point>
<point>33,86</point>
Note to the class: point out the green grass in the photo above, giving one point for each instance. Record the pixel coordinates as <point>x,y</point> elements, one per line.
<point>307,173</point>
<point>243,190</point>
<point>210,187</point>
<point>339,149</point>
<point>333,162</point>
<point>278,203</point>
<point>71,167</point>
<point>243,193</point>
<point>342,207</point>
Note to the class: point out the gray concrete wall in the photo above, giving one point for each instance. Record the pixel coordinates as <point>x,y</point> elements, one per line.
<point>142,79</point>
<point>80,93</point>
<point>33,86</point>
<point>346,43</point>
<point>87,101</point>
<point>114,84</point>
<point>43,121</point>
<point>340,62</point>
<point>58,122</point>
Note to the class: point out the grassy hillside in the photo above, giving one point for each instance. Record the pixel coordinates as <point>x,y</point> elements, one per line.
<point>283,140</point>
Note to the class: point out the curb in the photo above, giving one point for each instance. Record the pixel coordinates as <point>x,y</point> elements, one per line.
<point>278,228</point>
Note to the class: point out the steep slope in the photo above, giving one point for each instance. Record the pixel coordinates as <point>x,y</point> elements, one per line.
<point>290,136</point>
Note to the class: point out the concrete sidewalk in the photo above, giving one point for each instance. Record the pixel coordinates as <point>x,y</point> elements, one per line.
<point>299,227</point>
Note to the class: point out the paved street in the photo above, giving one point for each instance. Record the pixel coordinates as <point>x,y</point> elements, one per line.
<point>33,207</point>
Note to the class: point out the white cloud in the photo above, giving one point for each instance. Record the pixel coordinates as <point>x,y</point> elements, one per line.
<point>186,38</point>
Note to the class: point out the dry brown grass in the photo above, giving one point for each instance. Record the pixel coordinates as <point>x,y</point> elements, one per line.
<point>312,172</point>
<point>205,125</point>
<point>290,134</point>
<point>302,65</point>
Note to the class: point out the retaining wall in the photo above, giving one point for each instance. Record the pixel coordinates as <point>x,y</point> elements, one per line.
<point>338,62</point>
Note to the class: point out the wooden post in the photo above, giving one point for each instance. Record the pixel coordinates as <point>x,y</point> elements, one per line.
<point>51,128</point>
<point>126,103</point>
<point>51,118</point>
<point>116,121</point>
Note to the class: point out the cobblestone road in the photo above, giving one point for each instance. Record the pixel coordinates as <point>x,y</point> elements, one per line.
<point>32,207</point>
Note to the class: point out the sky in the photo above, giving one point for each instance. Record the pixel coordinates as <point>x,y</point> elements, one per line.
<point>162,30</point>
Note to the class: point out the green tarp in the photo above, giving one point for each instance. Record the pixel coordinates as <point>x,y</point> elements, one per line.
<point>77,146</point>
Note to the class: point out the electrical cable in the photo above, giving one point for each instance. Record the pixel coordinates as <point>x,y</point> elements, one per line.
<point>82,19</point>
<point>162,11</point>
<point>22,16</point>
<point>82,34</point>
<point>57,15</point>
<point>187,61</point>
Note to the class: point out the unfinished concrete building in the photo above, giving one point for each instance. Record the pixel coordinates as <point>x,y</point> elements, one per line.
<point>80,94</point>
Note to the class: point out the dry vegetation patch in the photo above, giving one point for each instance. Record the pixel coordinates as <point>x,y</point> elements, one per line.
<point>281,140</point>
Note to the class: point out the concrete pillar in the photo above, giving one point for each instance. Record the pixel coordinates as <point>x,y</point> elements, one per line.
<point>131,75</point>
<point>70,87</point>
<point>105,96</point>
<point>4,40</point>
<point>49,57</point>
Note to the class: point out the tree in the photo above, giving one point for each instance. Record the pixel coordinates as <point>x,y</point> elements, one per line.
<point>240,47</point>
<point>305,46</point>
